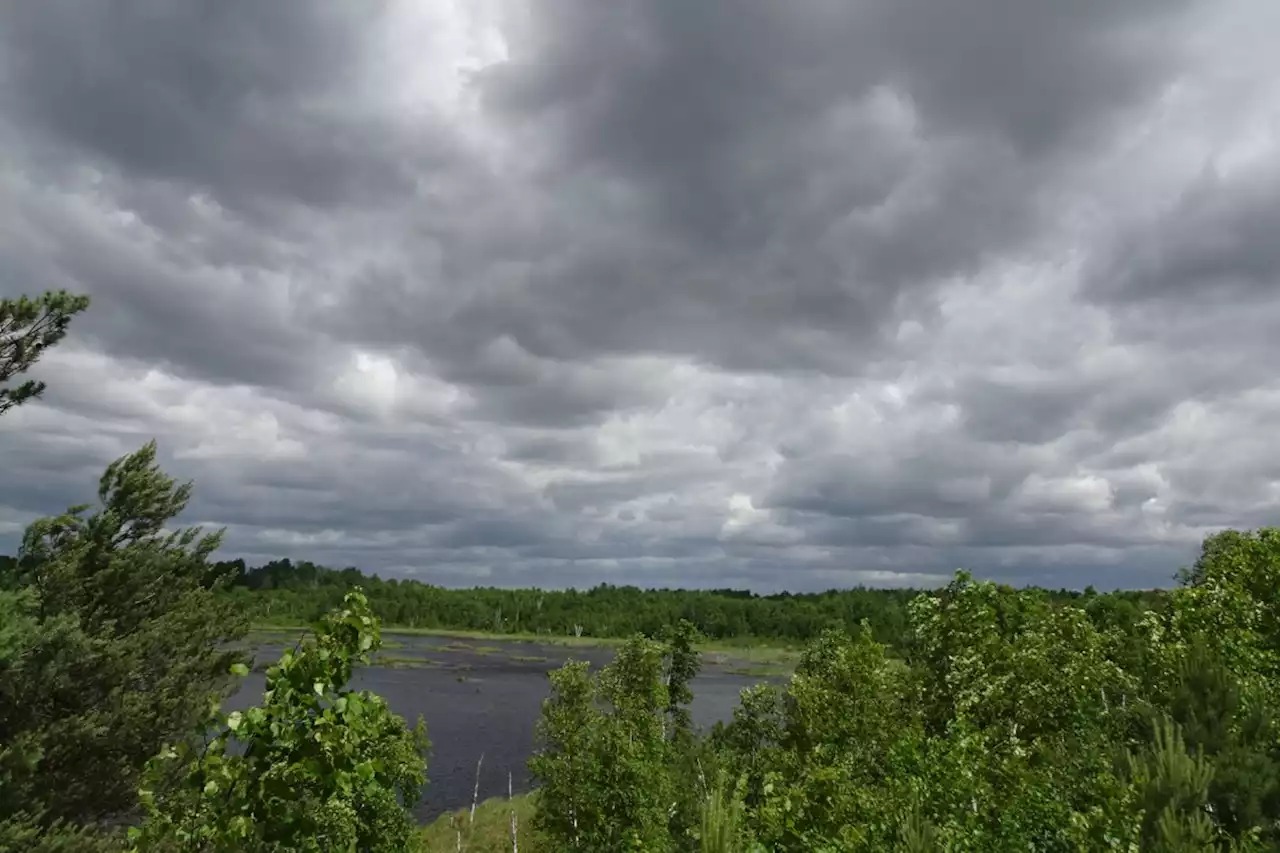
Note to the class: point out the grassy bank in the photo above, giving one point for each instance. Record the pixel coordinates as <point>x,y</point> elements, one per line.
<point>489,832</point>
<point>446,633</point>
<point>761,656</point>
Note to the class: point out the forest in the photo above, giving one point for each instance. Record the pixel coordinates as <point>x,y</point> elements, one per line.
<point>283,592</point>
<point>975,717</point>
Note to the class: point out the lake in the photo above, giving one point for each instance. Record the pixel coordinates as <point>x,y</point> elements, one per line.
<point>483,698</point>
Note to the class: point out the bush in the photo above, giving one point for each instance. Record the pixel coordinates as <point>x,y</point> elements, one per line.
<point>322,769</point>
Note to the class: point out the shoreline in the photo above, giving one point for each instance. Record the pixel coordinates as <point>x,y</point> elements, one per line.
<point>761,654</point>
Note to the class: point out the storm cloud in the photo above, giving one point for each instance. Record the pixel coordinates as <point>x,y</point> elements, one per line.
<point>734,292</point>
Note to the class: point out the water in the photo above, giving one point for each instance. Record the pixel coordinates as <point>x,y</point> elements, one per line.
<point>485,700</point>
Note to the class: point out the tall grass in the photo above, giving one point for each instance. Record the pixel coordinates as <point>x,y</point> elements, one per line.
<point>721,830</point>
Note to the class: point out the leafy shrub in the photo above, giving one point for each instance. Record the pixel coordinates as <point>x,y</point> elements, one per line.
<point>322,769</point>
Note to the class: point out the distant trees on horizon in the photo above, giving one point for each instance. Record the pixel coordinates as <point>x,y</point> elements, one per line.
<point>287,592</point>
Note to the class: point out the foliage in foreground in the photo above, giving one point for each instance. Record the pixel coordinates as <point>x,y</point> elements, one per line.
<point>1009,725</point>
<point>323,768</point>
<point>111,645</point>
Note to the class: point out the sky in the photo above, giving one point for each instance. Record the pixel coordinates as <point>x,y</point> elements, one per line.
<point>722,293</point>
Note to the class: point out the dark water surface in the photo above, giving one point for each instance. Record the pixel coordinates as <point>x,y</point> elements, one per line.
<point>483,698</point>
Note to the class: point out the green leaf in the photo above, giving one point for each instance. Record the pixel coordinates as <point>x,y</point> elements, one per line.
<point>239,669</point>
<point>296,783</point>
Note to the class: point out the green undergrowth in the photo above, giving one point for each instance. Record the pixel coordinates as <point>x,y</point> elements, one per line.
<point>489,832</point>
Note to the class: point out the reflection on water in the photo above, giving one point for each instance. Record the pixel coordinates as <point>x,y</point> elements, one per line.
<point>483,701</point>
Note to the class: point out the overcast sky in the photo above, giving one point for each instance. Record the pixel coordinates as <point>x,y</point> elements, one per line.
<point>730,292</point>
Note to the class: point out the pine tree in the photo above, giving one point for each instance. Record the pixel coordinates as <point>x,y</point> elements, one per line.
<point>28,327</point>
<point>121,646</point>
<point>1173,788</point>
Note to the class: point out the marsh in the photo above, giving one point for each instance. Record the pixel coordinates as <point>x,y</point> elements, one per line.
<point>484,699</point>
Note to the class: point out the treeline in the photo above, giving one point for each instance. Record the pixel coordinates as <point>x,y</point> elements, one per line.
<point>287,592</point>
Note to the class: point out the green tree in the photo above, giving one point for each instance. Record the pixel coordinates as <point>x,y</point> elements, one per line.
<point>53,654</point>
<point>607,750</point>
<point>1173,792</point>
<point>1227,606</point>
<point>1243,745</point>
<point>568,765</point>
<point>1024,706</point>
<point>323,768</point>
<point>113,646</point>
<point>28,327</point>
<point>681,667</point>
<point>694,765</point>
<point>828,763</point>
<point>721,819</point>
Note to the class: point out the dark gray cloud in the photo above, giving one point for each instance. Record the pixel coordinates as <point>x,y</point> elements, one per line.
<point>1215,244</point>
<point>784,295</point>
<point>234,98</point>
<point>803,172</point>
<point>707,107</point>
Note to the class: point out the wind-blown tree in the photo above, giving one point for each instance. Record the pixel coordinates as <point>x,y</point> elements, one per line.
<point>1228,604</point>
<point>28,327</point>
<point>115,645</point>
<point>323,768</point>
<point>1024,706</point>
